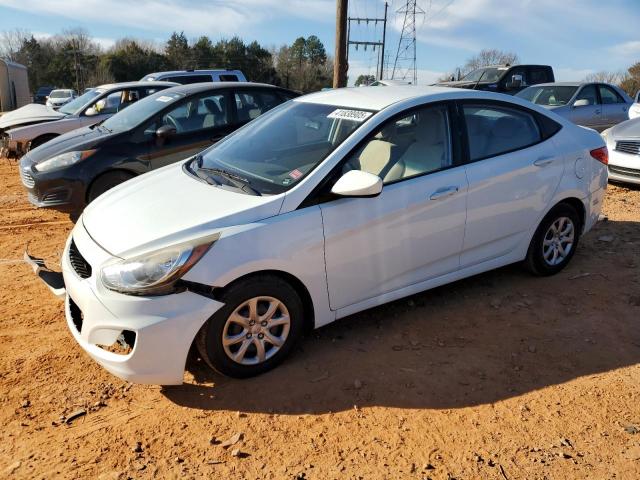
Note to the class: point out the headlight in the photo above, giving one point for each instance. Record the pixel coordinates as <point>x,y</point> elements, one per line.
<point>156,272</point>
<point>63,160</point>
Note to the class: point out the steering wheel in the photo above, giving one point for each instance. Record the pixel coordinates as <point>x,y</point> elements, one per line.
<point>172,121</point>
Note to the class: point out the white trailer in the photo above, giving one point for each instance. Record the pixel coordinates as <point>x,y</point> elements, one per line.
<point>14,86</point>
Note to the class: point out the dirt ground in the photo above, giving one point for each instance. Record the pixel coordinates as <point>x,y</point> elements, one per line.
<point>500,376</point>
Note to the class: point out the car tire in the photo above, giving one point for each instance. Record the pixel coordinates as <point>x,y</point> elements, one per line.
<point>106,182</point>
<point>236,331</point>
<point>36,142</point>
<point>560,229</point>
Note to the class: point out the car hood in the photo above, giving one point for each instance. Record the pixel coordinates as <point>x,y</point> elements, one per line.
<point>83,138</point>
<point>31,113</point>
<point>628,129</point>
<point>166,207</point>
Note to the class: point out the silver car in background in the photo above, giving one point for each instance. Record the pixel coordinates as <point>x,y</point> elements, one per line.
<point>60,97</point>
<point>594,105</point>
<point>623,143</point>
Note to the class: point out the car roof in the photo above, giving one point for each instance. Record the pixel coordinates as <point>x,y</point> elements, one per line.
<point>137,83</point>
<point>376,98</point>
<point>191,88</point>
<point>190,72</point>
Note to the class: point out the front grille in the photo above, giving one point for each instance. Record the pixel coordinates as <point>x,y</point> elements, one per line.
<point>627,172</point>
<point>628,146</point>
<point>79,264</point>
<point>27,179</point>
<point>76,315</point>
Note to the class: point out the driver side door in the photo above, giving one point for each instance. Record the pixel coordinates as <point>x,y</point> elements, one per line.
<point>199,121</point>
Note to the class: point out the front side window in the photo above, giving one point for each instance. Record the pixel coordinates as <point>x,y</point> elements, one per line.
<point>281,147</point>
<point>609,96</point>
<point>538,75</point>
<point>493,130</point>
<point>589,94</point>
<point>406,147</point>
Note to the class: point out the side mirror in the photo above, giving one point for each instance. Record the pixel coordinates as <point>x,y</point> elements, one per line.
<point>356,183</point>
<point>165,131</point>
<point>637,97</point>
<point>583,102</point>
<point>516,82</point>
<point>90,112</point>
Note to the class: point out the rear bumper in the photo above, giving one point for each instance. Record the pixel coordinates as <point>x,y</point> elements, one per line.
<point>161,329</point>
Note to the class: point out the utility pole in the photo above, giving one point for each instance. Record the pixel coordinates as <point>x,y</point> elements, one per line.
<point>373,45</point>
<point>340,65</point>
<point>404,65</point>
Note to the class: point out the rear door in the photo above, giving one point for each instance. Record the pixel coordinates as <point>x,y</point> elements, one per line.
<point>614,108</point>
<point>199,121</point>
<point>589,115</point>
<point>512,172</point>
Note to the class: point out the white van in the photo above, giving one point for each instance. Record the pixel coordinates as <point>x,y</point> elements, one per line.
<point>196,76</point>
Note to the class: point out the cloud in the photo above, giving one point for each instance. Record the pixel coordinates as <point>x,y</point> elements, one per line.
<point>627,50</point>
<point>195,18</point>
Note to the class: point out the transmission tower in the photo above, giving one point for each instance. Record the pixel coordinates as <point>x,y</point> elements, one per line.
<point>404,66</point>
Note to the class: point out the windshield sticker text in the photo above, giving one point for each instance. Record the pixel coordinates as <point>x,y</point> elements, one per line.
<point>355,115</point>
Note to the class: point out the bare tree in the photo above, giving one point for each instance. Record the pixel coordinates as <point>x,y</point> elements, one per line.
<point>605,77</point>
<point>489,57</point>
<point>11,42</point>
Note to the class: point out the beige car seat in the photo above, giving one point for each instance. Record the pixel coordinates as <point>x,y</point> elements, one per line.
<point>429,152</point>
<point>377,155</point>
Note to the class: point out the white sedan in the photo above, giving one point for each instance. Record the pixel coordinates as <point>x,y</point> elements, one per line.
<point>328,205</point>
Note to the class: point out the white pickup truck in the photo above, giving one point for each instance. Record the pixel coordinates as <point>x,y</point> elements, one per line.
<point>32,125</point>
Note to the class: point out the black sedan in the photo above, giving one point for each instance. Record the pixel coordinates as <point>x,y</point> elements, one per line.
<point>71,170</point>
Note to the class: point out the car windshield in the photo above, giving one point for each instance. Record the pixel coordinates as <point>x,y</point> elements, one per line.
<point>75,105</point>
<point>140,111</point>
<point>551,96</point>
<point>491,74</point>
<point>279,148</point>
<point>60,94</point>
<point>44,90</point>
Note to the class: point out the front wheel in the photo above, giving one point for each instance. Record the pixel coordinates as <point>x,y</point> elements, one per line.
<point>555,241</point>
<point>259,324</point>
<point>106,182</point>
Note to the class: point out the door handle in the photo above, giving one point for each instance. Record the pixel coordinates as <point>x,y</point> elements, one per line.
<point>443,192</point>
<point>543,161</point>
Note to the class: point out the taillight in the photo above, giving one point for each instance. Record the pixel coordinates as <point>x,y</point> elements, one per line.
<point>601,154</point>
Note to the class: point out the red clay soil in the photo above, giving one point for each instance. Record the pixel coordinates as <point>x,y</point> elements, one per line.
<point>500,376</point>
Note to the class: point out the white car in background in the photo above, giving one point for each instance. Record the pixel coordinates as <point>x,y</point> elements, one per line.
<point>623,142</point>
<point>32,125</point>
<point>634,110</point>
<point>327,205</point>
<point>58,98</point>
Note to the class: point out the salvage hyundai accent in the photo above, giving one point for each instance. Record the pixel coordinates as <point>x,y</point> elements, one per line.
<point>325,206</point>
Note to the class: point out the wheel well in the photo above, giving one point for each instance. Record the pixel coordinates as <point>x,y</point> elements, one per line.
<point>38,139</point>
<point>106,172</point>
<point>298,286</point>
<point>577,204</point>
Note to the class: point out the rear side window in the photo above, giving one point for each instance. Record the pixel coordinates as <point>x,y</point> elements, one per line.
<point>251,104</point>
<point>494,130</point>
<point>538,75</point>
<point>609,95</point>
<point>187,79</point>
<point>228,78</point>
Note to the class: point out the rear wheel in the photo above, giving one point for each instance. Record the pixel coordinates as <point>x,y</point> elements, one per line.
<point>107,181</point>
<point>555,241</point>
<point>255,330</point>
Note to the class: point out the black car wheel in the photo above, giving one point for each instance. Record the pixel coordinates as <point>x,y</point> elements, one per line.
<point>107,181</point>
<point>255,330</point>
<point>36,142</point>
<point>555,241</point>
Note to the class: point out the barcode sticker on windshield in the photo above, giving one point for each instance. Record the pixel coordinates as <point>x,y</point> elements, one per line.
<point>164,99</point>
<point>355,115</point>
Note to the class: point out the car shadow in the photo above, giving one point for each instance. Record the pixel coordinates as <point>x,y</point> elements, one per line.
<point>480,340</point>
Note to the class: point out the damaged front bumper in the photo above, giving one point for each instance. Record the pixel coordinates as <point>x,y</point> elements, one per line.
<point>157,332</point>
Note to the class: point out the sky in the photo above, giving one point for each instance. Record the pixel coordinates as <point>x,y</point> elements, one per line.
<point>576,37</point>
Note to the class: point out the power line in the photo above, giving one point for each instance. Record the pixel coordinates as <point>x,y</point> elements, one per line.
<point>375,43</point>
